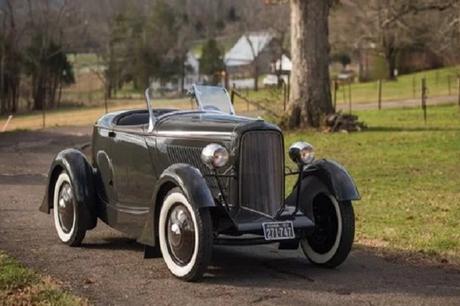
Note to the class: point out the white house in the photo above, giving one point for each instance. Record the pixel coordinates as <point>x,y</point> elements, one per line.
<point>284,65</point>
<point>247,48</point>
<point>251,51</point>
<point>192,74</point>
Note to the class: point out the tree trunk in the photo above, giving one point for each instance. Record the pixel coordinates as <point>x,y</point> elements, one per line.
<point>310,94</point>
<point>390,53</point>
<point>390,57</point>
<point>2,81</point>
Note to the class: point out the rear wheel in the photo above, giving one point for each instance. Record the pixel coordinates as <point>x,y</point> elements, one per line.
<point>185,235</point>
<point>332,239</point>
<point>67,219</point>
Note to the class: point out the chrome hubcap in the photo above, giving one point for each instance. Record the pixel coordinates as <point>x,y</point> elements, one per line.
<point>180,234</point>
<point>66,208</point>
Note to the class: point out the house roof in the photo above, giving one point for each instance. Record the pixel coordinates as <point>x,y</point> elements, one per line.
<point>248,46</point>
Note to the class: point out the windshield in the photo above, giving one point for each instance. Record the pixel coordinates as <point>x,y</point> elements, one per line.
<point>214,98</point>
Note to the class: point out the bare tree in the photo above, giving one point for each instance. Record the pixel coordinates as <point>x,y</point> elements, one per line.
<point>48,25</point>
<point>391,25</point>
<point>445,33</point>
<point>10,61</point>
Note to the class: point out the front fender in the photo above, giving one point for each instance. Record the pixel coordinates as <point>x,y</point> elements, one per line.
<point>323,176</point>
<point>192,183</point>
<point>81,175</point>
<point>336,177</point>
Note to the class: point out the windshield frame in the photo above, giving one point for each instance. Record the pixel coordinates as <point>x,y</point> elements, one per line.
<point>202,107</point>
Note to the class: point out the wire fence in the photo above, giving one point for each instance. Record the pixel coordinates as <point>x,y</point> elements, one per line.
<point>422,90</point>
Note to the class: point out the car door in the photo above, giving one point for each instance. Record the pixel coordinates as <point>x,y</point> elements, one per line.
<point>133,179</point>
<point>133,168</point>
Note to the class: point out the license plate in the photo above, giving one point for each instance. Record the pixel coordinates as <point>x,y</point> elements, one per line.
<point>278,230</point>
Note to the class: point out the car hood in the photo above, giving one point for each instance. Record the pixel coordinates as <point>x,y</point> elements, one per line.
<point>201,124</point>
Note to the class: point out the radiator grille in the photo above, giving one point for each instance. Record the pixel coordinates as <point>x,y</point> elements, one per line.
<point>262,171</point>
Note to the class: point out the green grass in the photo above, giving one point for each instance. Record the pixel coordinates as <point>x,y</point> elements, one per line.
<point>405,87</point>
<point>408,174</point>
<point>21,286</point>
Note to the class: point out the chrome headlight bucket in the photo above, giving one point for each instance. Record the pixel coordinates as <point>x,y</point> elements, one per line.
<point>302,153</point>
<point>214,156</point>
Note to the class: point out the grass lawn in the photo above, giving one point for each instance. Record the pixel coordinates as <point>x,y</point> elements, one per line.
<point>408,175</point>
<point>438,82</point>
<point>21,286</point>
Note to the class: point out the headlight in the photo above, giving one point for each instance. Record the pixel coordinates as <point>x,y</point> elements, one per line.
<point>214,156</point>
<point>302,153</point>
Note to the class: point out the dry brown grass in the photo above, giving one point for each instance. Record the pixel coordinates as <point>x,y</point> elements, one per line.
<point>85,115</point>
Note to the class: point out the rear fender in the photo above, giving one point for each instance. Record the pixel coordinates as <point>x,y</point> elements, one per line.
<point>81,175</point>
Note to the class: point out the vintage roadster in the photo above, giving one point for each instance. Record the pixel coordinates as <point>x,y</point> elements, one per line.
<point>180,181</point>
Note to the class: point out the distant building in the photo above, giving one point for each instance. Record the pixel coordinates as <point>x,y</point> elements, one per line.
<point>191,76</point>
<point>284,65</point>
<point>192,71</point>
<point>251,56</point>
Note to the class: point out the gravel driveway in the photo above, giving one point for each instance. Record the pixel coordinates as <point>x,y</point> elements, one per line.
<point>110,269</point>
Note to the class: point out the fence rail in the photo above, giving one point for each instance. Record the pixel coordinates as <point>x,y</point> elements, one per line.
<point>256,104</point>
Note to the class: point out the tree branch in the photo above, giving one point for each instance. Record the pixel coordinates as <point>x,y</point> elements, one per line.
<point>412,8</point>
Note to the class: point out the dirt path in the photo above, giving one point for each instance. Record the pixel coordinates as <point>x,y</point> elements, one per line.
<point>110,269</point>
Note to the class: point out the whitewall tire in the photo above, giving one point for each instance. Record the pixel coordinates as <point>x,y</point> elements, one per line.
<point>66,212</point>
<point>185,236</point>
<point>332,239</point>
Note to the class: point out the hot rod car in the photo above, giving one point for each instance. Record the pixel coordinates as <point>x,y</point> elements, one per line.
<point>179,181</point>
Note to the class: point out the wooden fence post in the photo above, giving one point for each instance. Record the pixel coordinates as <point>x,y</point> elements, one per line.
<point>458,82</point>
<point>106,106</point>
<point>285,96</point>
<point>335,95</point>
<point>448,85</point>
<point>414,87</point>
<point>44,114</point>
<point>349,95</point>
<point>424,90</point>
<point>247,106</point>
<point>380,95</point>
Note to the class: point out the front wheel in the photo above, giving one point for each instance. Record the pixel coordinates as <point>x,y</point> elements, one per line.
<point>185,235</point>
<point>334,232</point>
